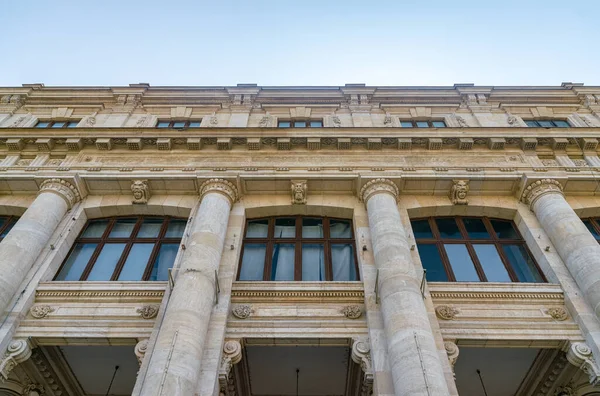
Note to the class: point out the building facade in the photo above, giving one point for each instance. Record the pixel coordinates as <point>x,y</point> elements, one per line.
<point>317,241</point>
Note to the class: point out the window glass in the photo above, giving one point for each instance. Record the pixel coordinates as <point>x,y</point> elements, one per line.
<point>257,228</point>
<point>284,124</point>
<point>531,123</point>
<point>164,260</point>
<point>422,124</point>
<point>504,229</point>
<point>58,124</point>
<point>179,124</point>
<point>8,227</point>
<point>462,265</point>
<point>432,262</point>
<point>522,263</point>
<point>95,229</point>
<point>136,262</point>
<point>312,228</point>
<point>421,229</point>
<point>163,124</point>
<point>490,260</point>
<point>285,227</point>
<point>72,124</point>
<point>476,228</point>
<point>591,228</point>
<point>340,228</point>
<point>42,124</point>
<point>175,228</point>
<point>150,228</point>
<point>313,262</point>
<point>561,124</point>
<point>77,261</point>
<point>2,221</point>
<point>342,262</point>
<point>282,262</point>
<point>299,124</point>
<point>406,124</point>
<point>106,262</point>
<point>448,228</point>
<point>439,124</point>
<point>253,262</point>
<point>194,124</point>
<point>122,228</point>
<point>545,124</point>
<point>316,124</point>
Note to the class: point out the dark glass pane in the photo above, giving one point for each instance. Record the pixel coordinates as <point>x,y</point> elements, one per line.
<point>95,229</point>
<point>432,262</point>
<point>150,228</point>
<point>179,124</point>
<point>163,124</point>
<point>312,228</point>
<point>421,229</point>
<point>106,262</point>
<point>439,124</point>
<point>590,227</point>
<point>42,124</point>
<point>340,228</point>
<point>282,264</point>
<point>504,229</point>
<point>257,228</point>
<point>313,262</point>
<point>522,263</point>
<point>531,123</point>
<point>195,124</point>
<point>476,228</point>
<point>316,124</point>
<point>546,124</point>
<point>285,228</point>
<point>77,261</point>
<point>490,260</point>
<point>122,228</point>
<point>253,262</point>
<point>561,124</point>
<point>284,124</point>
<point>175,228</point>
<point>461,263</point>
<point>9,227</point>
<point>406,124</point>
<point>164,260</point>
<point>422,124</point>
<point>342,262</point>
<point>137,260</point>
<point>448,228</point>
<point>72,124</point>
<point>58,124</point>
<point>2,221</point>
<point>299,124</point>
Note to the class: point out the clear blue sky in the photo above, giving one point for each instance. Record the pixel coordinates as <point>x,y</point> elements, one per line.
<point>285,42</point>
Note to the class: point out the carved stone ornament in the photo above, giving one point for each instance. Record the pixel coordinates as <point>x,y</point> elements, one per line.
<point>580,355</point>
<point>148,311</point>
<point>140,350</point>
<point>242,311</point>
<point>459,191</point>
<point>213,120</point>
<point>558,313</point>
<point>17,352</point>
<point>336,121</point>
<point>265,121</point>
<point>446,312</point>
<point>32,389</point>
<point>299,192</point>
<point>90,121</point>
<point>232,354</point>
<point>63,189</point>
<point>352,311</point>
<point>40,311</point>
<point>461,122</point>
<point>361,354</point>
<point>512,120</point>
<point>141,192</point>
<point>452,351</point>
<point>377,186</point>
<point>387,121</point>
<point>220,186</point>
<point>538,188</point>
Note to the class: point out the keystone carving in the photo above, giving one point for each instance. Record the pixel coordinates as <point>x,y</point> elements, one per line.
<point>299,192</point>
<point>140,350</point>
<point>242,311</point>
<point>558,313</point>
<point>220,186</point>
<point>141,191</point>
<point>538,188</point>
<point>40,311</point>
<point>62,188</point>
<point>452,351</point>
<point>458,192</point>
<point>361,354</point>
<point>446,312</point>
<point>232,354</point>
<point>377,186</point>
<point>352,311</point>
<point>17,352</point>
<point>148,311</point>
<point>580,355</point>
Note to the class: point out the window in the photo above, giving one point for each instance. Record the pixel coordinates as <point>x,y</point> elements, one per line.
<point>593,224</point>
<point>547,123</point>
<point>422,124</point>
<point>473,249</point>
<point>298,248</point>
<point>124,249</point>
<point>300,124</point>
<point>178,124</point>
<point>56,124</point>
<point>6,224</point>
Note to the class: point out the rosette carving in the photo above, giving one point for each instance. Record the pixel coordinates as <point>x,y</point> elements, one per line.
<point>446,312</point>
<point>352,311</point>
<point>220,186</point>
<point>62,188</point>
<point>40,311</point>
<point>242,311</point>
<point>558,313</point>
<point>538,188</point>
<point>377,186</point>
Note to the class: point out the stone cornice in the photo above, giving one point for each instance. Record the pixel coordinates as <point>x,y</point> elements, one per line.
<point>62,188</point>
<point>220,186</point>
<point>329,292</point>
<point>538,188</point>
<point>377,186</point>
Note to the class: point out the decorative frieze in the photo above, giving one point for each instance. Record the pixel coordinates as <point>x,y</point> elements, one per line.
<point>62,188</point>
<point>538,188</point>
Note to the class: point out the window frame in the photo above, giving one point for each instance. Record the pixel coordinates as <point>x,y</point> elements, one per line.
<point>468,241</point>
<point>297,241</point>
<point>172,122</point>
<point>429,123</point>
<point>51,123</point>
<point>294,120</point>
<point>128,241</point>
<point>553,121</point>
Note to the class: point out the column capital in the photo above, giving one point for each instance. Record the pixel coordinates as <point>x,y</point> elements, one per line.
<point>220,186</point>
<point>377,186</point>
<point>17,352</point>
<point>62,188</point>
<point>538,188</point>
<point>580,355</point>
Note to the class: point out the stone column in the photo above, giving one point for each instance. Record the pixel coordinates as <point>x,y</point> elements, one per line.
<point>174,366</point>
<point>413,356</point>
<point>575,245</point>
<point>24,243</point>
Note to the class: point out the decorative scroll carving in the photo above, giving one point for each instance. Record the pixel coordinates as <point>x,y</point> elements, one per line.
<point>352,311</point>
<point>140,350</point>
<point>388,122</point>
<point>265,121</point>
<point>299,192</point>
<point>376,186</point>
<point>242,311</point>
<point>446,312</point>
<point>336,121</point>
<point>62,188</point>
<point>458,192</point>
<point>17,352</point>
<point>361,354</point>
<point>461,122</point>
<point>232,354</point>
<point>32,389</point>
<point>141,191</point>
<point>538,188</point>
<point>452,351</point>
<point>148,311</point>
<point>220,186</point>
<point>580,355</point>
<point>40,311</point>
<point>558,313</point>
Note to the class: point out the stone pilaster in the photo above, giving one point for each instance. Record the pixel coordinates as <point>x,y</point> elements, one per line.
<point>24,243</point>
<point>174,366</point>
<point>413,356</point>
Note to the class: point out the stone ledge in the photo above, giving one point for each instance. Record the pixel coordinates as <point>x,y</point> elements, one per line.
<point>287,292</point>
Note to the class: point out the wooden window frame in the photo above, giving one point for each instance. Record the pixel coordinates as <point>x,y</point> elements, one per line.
<point>293,120</point>
<point>553,121</point>
<point>171,123</point>
<point>297,241</point>
<point>429,123</point>
<point>129,242</point>
<point>51,123</point>
<point>8,220</point>
<point>469,242</point>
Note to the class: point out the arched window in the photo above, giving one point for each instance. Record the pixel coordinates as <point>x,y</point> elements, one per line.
<point>124,249</point>
<point>473,249</point>
<point>6,224</point>
<point>298,249</point>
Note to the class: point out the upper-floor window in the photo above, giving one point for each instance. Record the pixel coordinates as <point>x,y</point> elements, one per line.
<point>124,249</point>
<point>56,124</point>
<point>300,123</point>
<point>474,249</point>
<point>593,224</point>
<point>6,224</point>
<point>298,249</point>
<point>178,124</point>
<point>547,123</point>
<point>422,124</point>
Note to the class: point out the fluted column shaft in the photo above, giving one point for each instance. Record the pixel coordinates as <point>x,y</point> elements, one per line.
<point>24,243</point>
<point>576,246</point>
<point>174,366</point>
<point>414,359</point>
